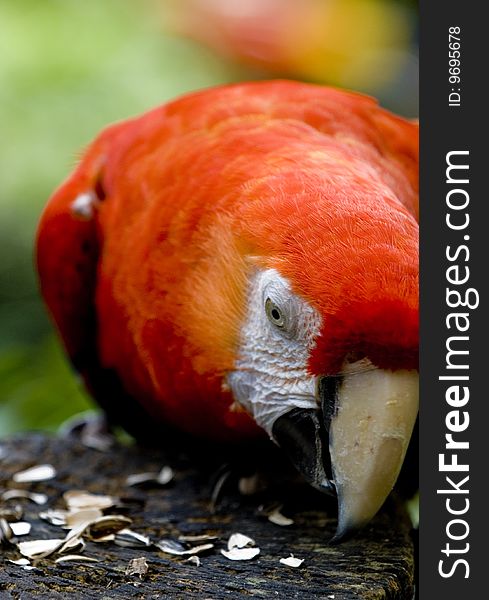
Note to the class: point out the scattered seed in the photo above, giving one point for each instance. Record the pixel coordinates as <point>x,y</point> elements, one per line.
<point>73,540</point>
<point>278,518</point>
<point>37,473</point>
<point>86,515</point>
<point>192,539</point>
<point>171,547</point>
<point>55,517</point>
<point>162,478</point>
<point>21,562</point>
<point>107,525</point>
<point>240,548</point>
<point>130,539</point>
<point>80,499</point>
<point>104,539</point>
<point>38,548</point>
<point>178,549</point>
<point>75,544</point>
<point>238,540</point>
<point>137,566</point>
<point>6,533</point>
<point>21,528</point>
<point>194,560</point>
<point>15,494</point>
<point>241,553</point>
<point>140,478</point>
<point>97,440</point>
<point>14,513</point>
<point>75,557</point>
<point>249,486</point>
<point>199,549</point>
<point>291,561</point>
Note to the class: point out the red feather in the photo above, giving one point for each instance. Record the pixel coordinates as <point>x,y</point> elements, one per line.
<point>318,183</point>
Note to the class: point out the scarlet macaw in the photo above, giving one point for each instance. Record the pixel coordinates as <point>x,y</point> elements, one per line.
<point>245,259</point>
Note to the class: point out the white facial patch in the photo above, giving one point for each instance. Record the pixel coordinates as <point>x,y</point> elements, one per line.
<point>270,376</point>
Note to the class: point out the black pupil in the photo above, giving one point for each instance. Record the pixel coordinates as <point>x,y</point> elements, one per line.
<point>276,314</point>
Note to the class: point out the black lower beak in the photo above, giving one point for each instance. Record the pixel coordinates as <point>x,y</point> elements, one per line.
<point>303,435</point>
<point>353,444</point>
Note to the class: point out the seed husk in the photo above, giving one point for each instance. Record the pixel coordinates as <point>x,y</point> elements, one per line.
<point>21,562</point>
<point>192,539</point>
<point>77,543</point>
<point>6,533</point>
<point>55,517</point>
<point>248,486</point>
<point>15,513</point>
<point>194,560</point>
<point>104,539</point>
<point>43,472</point>
<point>75,558</point>
<point>33,497</point>
<point>107,525</point>
<point>292,561</point>
<point>74,518</point>
<point>81,499</point>
<point>241,553</point>
<point>39,548</point>
<point>127,538</point>
<point>161,478</point>
<point>177,549</point>
<point>278,518</point>
<point>21,528</point>
<point>238,540</point>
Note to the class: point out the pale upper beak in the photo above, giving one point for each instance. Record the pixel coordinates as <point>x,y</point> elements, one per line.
<point>368,416</point>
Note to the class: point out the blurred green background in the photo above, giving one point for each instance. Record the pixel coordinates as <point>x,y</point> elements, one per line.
<point>70,67</point>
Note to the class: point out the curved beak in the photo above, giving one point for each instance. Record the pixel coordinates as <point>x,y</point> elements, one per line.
<point>368,437</point>
<point>368,417</point>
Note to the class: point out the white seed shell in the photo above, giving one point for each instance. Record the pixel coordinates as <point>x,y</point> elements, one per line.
<point>241,553</point>
<point>238,540</point>
<point>14,494</point>
<point>278,518</point>
<point>21,562</point>
<point>55,517</point>
<point>163,477</point>
<point>35,548</point>
<point>177,549</point>
<point>81,499</point>
<point>21,528</point>
<point>37,473</point>
<point>75,557</point>
<point>74,518</point>
<point>292,561</point>
<point>130,539</point>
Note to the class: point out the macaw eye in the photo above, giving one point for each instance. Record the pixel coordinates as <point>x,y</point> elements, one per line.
<point>274,313</point>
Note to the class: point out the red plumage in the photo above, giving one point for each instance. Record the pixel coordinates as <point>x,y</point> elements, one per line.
<point>318,183</point>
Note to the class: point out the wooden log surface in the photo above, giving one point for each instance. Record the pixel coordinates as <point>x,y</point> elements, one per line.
<point>378,563</point>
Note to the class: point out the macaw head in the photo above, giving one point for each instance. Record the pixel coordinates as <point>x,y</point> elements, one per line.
<point>327,359</point>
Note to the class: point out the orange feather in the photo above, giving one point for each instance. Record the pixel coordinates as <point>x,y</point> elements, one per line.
<point>318,183</point>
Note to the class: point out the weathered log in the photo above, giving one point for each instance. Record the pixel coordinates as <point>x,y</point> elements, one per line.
<point>376,564</point>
